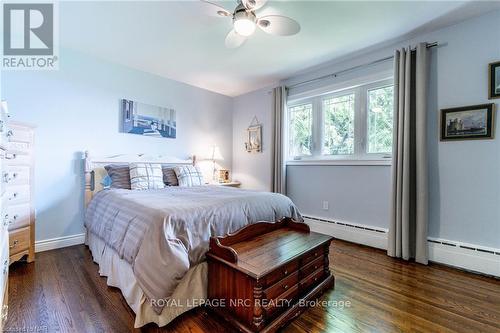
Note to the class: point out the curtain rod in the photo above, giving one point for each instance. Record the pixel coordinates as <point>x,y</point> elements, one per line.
<point>334,75</point>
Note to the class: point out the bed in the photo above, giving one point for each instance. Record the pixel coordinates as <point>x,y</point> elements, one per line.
<point>151,244</point>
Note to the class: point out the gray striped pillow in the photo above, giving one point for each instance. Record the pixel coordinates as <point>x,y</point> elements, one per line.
<point>169,177</point>
<point>119,174</point>
<point>146,176</point>
<point>189,175</point>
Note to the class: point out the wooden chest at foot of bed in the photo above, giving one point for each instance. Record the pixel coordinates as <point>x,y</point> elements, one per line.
<point>264,275</point>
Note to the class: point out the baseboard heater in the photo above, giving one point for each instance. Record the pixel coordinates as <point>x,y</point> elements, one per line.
<point>463,246</point>
<point>470,257</point>
<point>350,225</point>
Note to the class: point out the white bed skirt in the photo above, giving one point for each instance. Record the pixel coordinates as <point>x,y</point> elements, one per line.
<point>190,292</point>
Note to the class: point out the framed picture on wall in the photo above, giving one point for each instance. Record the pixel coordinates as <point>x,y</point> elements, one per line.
<point>494,80</point>
<point>468,122</point>
<point>148,120</point>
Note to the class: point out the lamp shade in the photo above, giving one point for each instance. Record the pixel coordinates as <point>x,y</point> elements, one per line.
<point>216,155</point>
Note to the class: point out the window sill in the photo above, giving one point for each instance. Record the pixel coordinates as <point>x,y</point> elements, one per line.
<point>381,162</point>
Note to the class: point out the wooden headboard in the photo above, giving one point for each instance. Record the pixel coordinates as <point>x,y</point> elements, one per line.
<point>94,167</point>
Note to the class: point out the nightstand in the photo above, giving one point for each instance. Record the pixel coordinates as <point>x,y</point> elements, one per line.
<point>231,184</point>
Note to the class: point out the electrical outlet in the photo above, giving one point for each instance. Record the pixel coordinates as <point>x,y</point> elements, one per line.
<point>325,205</point>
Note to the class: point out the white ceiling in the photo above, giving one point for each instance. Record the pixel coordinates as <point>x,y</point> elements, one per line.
<point>177,40</point>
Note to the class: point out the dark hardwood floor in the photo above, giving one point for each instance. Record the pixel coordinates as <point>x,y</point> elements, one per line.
<point>62,292</point>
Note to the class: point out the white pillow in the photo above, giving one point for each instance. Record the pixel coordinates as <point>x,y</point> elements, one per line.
<point>145,176</point>
<point>189,175</point>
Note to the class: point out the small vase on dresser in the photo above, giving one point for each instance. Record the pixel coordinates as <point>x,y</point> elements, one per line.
<point>17,176</point>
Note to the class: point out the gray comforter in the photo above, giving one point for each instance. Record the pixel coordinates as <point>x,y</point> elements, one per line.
<point>162,233</point>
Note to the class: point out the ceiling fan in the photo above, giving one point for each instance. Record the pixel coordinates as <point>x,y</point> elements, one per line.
<point>245,21</point>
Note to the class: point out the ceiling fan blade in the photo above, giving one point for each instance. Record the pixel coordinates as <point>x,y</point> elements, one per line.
<point>253,4</point>
<point>278,25</point>
<point>213,9</point>
<point>233,40</point>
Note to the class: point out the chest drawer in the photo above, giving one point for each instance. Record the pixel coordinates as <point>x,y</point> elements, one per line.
<point>312,280</point>
<point>282,286</point>
<point>19,134</point>
<point>16,175</point>
<point>19,240</point>
<point>17,159</point>
<point>312,266</point>
<point>17,195</point>
<point>280,303</point>
<point>313,255</point>
<point>17,216</point>
<point>281,273</point>
<point>4,261</point>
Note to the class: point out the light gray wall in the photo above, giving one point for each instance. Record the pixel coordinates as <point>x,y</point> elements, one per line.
<point>253,170</point>
<point>77,108</point>
<point>464,177</point>
<point>355,194</point>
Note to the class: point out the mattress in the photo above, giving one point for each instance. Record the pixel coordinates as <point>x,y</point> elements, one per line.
<point>164,233</point>
<point>191,290</point>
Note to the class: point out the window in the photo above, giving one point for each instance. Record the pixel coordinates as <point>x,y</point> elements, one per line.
<point>354,123</point>
<point>300,130</point>
<point>338,125</point>
<point>380,107</point>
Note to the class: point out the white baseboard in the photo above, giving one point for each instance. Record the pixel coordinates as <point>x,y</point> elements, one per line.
<point>59,242</point>
<point>356,233</point>
<point>471,258</point>
<point>466,256</point>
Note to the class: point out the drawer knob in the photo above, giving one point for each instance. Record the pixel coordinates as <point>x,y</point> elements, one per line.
<point>10,156</point>
<point>285,286</point>
<point>315,266</point>
<point>315,254</point>
<point>10,133</point>
<point>14,218</point>
<point>14,195</point>
<point>285,272</point>
<point>14,244</point>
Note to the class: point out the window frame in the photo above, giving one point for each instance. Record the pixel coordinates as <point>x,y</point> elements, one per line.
<point>360,155</point>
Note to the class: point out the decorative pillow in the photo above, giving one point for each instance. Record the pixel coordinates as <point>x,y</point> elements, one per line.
<point>119,174</point>
<point>106,182</point>
<point>189,175</point>
<point>144,176</point>
<point>169,177</point>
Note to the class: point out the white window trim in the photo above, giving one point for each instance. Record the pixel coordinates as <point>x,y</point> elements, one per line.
<point>360,156</point>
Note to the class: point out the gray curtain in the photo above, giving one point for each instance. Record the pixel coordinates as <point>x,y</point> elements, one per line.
<point>279,167</point>
<point>408,228</point>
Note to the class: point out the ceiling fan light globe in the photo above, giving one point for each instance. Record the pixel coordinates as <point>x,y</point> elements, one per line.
<point>244,27</point>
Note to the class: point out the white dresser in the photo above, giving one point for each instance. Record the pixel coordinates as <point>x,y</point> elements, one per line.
<point>17,176</point>
<point>4,234</point>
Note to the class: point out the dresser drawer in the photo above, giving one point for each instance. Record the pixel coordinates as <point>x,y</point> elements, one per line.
<point>19,240</point>
<point>22,147</point>
<point>312,280</point>
<point>312,266</point>
<point>313,255</point>
<point>17,216</point>
<point>20,134</point>
<point>280,303</point>
<point>4,261</point>
<point>281,272</point>
<point>17,159</point>
<point>282,286</point>
<point>16,175</point>
<point>17,195</point>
